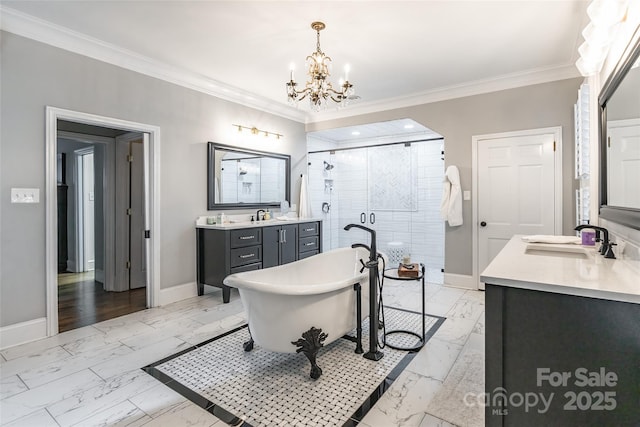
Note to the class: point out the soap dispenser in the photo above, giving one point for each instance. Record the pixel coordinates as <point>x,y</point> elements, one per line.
<point>267,214</point>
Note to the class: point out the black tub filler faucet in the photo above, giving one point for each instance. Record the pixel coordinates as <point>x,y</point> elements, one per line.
<point>374,353</point>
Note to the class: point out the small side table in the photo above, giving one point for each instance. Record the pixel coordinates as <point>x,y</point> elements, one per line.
<point>392,273</point>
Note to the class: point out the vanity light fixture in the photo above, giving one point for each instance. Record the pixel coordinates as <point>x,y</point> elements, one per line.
<point>318,87</point>
<point>605,17</point>
<point>255,131</point>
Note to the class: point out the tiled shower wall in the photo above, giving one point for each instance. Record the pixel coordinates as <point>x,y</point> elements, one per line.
<point>253,180</point>
<point>397,187</point>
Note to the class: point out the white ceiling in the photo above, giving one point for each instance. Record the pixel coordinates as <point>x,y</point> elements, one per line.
<point>399,52</point>
<point>372,133</point>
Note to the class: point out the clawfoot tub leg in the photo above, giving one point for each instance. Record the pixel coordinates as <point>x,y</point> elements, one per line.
<point>248,346</point>
<point>311,341</point>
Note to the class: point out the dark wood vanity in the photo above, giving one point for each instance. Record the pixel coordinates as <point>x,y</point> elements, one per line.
<point>225,250</point>
<point>562,339</point>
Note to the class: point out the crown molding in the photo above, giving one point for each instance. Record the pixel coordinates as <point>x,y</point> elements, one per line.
<point>478,87</point>
<point>46,32</point>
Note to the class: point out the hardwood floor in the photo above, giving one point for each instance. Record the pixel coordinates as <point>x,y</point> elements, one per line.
<point>85,302</point>
<point>67,278</point>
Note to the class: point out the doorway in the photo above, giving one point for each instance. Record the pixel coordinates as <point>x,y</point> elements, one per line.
<point>517,183</point>
<point>105,302</point>
<point>88,291</point>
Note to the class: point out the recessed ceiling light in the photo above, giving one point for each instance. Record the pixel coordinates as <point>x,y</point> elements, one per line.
<point>408,126</point>
<point>355,133</point>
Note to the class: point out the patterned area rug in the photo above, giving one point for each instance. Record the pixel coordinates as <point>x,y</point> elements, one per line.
<point>263,388</point>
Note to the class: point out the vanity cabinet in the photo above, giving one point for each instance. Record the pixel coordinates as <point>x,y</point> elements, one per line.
<point>222,251</point>
<point>309,240</point>
<point>578,354</point>
<point>279,245</point>
<point>562,340</point>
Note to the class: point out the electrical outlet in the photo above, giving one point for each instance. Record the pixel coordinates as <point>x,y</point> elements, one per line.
<point>466,195</point>
<point>25,195</point>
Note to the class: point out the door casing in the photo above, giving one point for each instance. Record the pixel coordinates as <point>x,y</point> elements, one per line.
<point>80,243</point>
<point>53,114</point>
<point>477,139</point>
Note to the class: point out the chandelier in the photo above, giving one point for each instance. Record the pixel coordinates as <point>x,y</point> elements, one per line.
<point>318,87</point>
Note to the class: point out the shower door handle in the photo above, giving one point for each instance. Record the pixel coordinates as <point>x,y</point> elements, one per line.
<point>372,218</point>
<point>363,218</point>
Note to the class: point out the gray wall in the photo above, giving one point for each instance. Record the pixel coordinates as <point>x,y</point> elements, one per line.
<point>529,107</point>
<point>34,75</point>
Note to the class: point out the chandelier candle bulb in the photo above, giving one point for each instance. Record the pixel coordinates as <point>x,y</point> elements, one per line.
<point>318,89</point>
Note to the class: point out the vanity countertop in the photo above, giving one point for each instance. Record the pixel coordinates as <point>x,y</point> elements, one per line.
<point>232,224</point>
<point>586,274</point>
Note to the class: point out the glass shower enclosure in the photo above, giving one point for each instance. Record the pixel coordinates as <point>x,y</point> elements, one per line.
<point>393,188</point>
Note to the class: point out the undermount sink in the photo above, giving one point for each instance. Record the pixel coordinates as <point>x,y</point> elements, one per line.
<point>563,251</point>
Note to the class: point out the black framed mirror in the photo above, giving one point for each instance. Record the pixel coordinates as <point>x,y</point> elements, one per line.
<point>620,140</point>
<point>239,178</point>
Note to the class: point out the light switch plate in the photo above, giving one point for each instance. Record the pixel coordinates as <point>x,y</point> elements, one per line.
<point>25,195</point>
<point>466,195</point>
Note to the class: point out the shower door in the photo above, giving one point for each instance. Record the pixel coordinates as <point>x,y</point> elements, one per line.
<point>394,189</point>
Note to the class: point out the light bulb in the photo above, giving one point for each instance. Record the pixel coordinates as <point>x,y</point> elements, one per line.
<point>607,12</point>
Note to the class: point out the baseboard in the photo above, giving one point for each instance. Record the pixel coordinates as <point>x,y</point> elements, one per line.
<point>24,332</point>
<point>460,281</point>
<point>71,266</point>
<point>178,293</point>
<point>99,275</point>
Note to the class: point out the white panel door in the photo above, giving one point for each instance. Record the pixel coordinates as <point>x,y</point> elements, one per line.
<point>137,248</point>
<point>88,212</point>
<point>516,195</point>
<point>623,163</point>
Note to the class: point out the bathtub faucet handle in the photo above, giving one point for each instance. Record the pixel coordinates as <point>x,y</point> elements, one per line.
<point>363,265</point>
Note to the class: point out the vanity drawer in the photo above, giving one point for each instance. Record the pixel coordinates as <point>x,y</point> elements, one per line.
<point>248,255</point>
<point>246,237</point>
<point>250,267</point>
<point>308,229</point>
<point>304,255</point>
<point>307,244</point>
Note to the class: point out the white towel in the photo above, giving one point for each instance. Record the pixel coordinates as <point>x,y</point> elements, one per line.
<point>451,205</point>
<point>305,202</point>
<point>541,238</point>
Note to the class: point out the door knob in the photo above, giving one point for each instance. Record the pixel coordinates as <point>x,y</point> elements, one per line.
<point>483,224</point>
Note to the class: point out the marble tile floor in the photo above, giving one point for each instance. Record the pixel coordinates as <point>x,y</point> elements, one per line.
<point>92,376</point>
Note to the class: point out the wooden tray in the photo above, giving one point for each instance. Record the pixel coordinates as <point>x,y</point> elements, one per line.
<point>403,271</point>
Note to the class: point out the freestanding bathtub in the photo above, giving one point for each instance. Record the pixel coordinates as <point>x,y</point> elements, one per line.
<point>286,301</point>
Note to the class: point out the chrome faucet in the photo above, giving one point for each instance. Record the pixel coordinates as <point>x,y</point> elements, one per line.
<point>258,214</point>
<point>606,248</point>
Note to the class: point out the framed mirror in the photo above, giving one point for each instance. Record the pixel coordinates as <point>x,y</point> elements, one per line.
<point>238,178</point>
<point>620,140</point>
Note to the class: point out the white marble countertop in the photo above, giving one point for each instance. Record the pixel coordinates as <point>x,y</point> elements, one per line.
<point>235,223</point>
<point>586,274</point>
